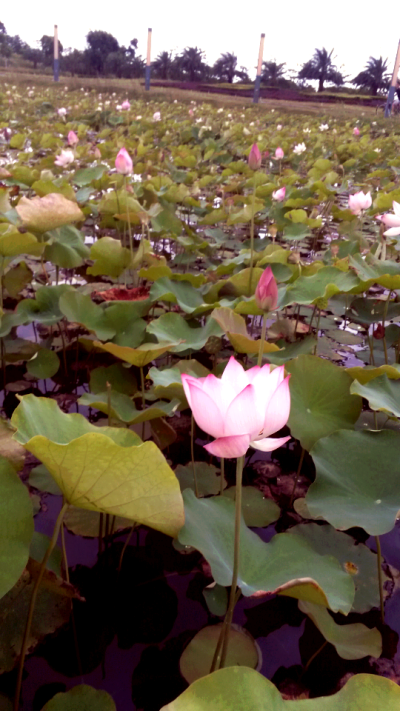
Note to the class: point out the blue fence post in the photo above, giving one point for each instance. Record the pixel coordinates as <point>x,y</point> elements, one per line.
<point>257,84</point>
<point>56,65</point>
<point>148,62</point>
<point>393,86</point>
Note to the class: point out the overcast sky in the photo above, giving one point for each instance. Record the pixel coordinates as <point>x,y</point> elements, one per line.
<point>293,28</point>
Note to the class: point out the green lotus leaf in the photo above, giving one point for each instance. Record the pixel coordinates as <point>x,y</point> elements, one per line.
<point>66,247</point>
<point>244,689</point>
<point>44,364</point>
<point>182,293</point>
<point>324,284</point>
<point>173,327</point>
<point>110,257</point>
<point>16,526</point>
<point>124,409</point>
<point>140,356</point>
<point>45,307</point>
<point>168,382</point>
<point>86,176</point>
<point>286,564</point>
<point>14,243</point>
<point>320,399</point>
<point>385,273</point>
<point>349,489</point>
<point>42,416</point>
<point>208,478</point>
<point>82,697</point>
<point>382,394</point>
<point>41,214</point>
<point>80,308</point>
<point>365,375</point>
<point>117,375</point>
<point>367,311</point>
<point>351,641</point>
<point>258,511</point>
<point>17,278</point>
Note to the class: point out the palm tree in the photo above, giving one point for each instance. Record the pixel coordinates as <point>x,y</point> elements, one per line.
<point>321,67</point>
<point>374,77</point>
<point>225,67</point>
<point>192,63</point>
<point>273,74</point>
<point>162,65</point>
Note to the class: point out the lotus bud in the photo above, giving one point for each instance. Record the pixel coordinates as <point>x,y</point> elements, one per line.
<point>267,291</point>
<point>125,106</point>
<point>123,162</point>
<point>279,195</point>
<point>356,131</point>
<point>254,159</point>
<point>72,138</point>
<point>279,153</point>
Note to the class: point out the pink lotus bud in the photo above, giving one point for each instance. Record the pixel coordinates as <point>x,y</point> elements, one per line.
<point>279,153</point>
<point>123,162</point>
<point>125,106</point>
<point>157,116</point>
<point>359,202</point>
<point>72,138</point>
<point>254,159</point>
<point>356,131</point>
<point>279,195</point>
<point>267,291</point>
<point>191,112</point>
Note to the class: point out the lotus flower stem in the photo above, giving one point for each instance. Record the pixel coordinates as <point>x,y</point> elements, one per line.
<point>236,554</point>
<point>222,465</point>
<point>63,346</point>
<point>25,641</point>
<point>73,624</point>
<point>371,349</point>
<point>380,580</point>
<point>143,397</point>
<point>128,538</point>
<point>129,218</point>
<point>312,316</point>
<point>316,345</point>
<point>314,655</point>
<point>196,487</point>
<point>297,477</point>
<point>262,339</point>
<point>253,199</point>
<point>383,326</point>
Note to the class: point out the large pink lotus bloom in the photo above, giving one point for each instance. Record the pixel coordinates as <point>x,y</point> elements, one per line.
<point>359,202</point>
<point>123,162</point>
<point>279,195</point>
<point>73,139</point>
<point>125,106</point>
<point>391,221</point>
<point>266,295</point>
<point>241,409</point>
<point>279,153</point>
<point>254,159</point>
<point>356,131</point>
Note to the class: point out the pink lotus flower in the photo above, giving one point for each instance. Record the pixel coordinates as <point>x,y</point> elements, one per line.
<point>64,159</point>
<point>359,202</point>
<point>391,221</point>
<point>73,139</point>
<point>279,195</point>
<point>356,131</point>
<point>254,159</point>
<point>267,291</point>
<point>125,106</point>
<point>62,112</point>
<point>123,162</point>
<point>241,409</point>
<point>279,153</point>
<point>157,116</point>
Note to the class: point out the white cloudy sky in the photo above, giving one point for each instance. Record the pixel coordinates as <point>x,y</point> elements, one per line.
<point>293,28</point>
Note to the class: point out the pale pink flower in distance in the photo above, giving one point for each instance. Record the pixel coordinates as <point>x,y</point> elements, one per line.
<point>279,127</point>
<point>279,195</point>
<point>254,159</point>
<point>125,106</point>
<point>191,113</point>
<point>266,296</point>
<point>391,221</point>
<point>240,409</point>
<point>62,112</point>
<point>279,153</point>
<point>64,159</point>
<point>72,139</point>
<point>157,116</point>
<point>300,148</point>
<point>123,162</point>
<point>356,131</point>
<point>359,202</point>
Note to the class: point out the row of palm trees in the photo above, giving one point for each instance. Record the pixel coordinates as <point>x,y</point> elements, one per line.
<point>191,66</point>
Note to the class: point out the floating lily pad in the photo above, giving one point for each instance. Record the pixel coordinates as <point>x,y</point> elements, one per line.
<point>350,489</point>
<point>283,565</point>
<point>216,598</point>
<point>320,399</point>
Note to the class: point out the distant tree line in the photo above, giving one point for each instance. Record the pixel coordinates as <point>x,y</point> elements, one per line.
<point>105,57</point>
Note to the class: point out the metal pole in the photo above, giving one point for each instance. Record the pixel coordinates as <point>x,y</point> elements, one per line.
<point>390,97</point>
<point>257,85</point>
<point>56,65</point>
<point>148,61</point>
